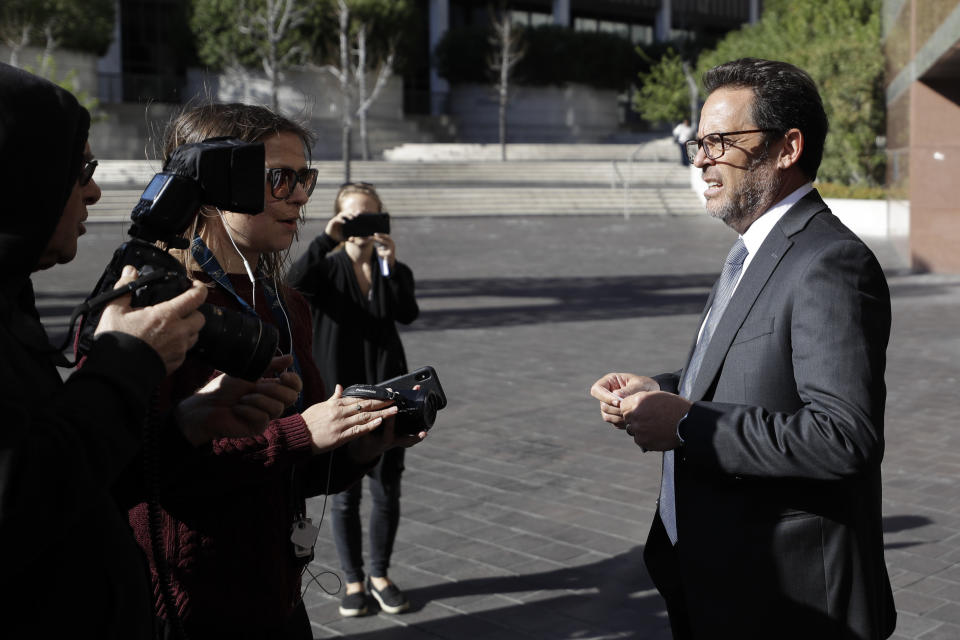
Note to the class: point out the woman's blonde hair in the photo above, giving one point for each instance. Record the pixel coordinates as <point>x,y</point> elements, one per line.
<point>364,188</point>
<point>250,123</point>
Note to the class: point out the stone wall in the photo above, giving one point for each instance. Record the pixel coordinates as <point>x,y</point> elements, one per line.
<point>572,113</point>
<point>80,67</point>
<point>307,92</point>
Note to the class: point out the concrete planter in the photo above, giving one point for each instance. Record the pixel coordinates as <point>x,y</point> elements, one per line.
<point>866,218</point>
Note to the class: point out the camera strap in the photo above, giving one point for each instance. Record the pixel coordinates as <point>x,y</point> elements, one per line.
<point>208,262</point>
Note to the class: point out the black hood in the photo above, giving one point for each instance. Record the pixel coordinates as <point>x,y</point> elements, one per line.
<point>43,131</point>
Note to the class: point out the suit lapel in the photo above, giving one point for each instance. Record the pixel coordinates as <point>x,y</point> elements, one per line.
<point>771,252</point>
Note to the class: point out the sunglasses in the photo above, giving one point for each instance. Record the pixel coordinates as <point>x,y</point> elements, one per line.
<point>283,181</point>
<point>86,173</point>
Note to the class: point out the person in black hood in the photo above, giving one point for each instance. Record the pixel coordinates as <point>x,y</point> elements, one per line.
<point>67,556</point>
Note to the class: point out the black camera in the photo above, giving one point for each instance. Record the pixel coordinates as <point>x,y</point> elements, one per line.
<point>221,172</point>
<point>417,408</point>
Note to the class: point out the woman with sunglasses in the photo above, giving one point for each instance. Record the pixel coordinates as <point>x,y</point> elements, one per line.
<point>235,529</point>
<point>358,295</point>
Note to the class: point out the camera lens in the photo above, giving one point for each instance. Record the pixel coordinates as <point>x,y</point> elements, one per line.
<point>236,343</point>
<point>430,406</point>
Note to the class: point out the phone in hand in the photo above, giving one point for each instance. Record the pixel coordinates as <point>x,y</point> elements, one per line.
<point>366,224</point>
<point>416,408</point>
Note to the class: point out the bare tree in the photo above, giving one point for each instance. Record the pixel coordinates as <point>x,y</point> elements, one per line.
<point>46,58</point>
<point>16,36</point>
<point>364,99</point>
<point>353,84</point>
<point>343,75</point>
<point>267,29</point>
<point>694,95</point>
<point>508,50</point>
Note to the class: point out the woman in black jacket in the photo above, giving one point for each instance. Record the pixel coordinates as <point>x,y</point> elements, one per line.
<point>357,295</point>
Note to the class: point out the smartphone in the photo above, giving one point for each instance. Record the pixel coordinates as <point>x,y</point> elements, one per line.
<point>417,409</point>
<point>366,224</point>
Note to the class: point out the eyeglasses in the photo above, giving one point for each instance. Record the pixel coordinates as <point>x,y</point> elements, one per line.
<point>86,173</point>
<point>284,180</point>
<point>713,144</point>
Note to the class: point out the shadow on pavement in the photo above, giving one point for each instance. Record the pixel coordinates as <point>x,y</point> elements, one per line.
<point>895,524</point>
<point>618,600</point>
<point>556,300</point>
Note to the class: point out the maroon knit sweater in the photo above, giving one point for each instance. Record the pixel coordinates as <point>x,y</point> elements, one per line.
<point>227,520</point>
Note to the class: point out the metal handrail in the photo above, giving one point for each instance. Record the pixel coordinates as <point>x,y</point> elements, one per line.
<point>624,181</point>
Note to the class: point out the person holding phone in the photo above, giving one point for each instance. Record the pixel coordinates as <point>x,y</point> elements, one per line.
<point>357,296</point>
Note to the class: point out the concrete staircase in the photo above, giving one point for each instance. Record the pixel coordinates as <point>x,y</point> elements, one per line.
<point>598,185</point>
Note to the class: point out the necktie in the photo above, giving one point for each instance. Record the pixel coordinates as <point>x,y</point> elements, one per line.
<point>725,288</point>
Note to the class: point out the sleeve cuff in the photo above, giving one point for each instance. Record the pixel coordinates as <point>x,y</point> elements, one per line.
<point>128,362</point>
<point>295,434</point>
<point>326,242</point>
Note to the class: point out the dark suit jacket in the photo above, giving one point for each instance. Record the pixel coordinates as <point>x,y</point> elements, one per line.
<point>778,479</point>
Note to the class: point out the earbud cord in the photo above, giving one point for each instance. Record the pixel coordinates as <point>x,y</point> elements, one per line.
<point>253,282</point>
<point>246,265</point>
<point>284,312</point>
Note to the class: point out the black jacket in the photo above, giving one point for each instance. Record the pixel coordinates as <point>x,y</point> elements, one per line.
<point>67,556</point>
<point>778,480</point>
<point>354,340</point>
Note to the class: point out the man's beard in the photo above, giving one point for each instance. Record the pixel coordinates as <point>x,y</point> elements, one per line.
<point>753,197</point>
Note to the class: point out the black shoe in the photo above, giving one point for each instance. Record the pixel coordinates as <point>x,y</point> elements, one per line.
<point>391,599</point>
<point>353,605</point>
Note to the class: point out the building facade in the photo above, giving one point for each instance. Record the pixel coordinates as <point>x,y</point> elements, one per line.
<point>922,41</point>
<point>641,21</point>
<point>149,60</point>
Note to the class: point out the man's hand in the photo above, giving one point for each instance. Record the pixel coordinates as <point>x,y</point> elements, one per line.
<point>229,407</point>
<point>612,388</point>
<point>170,327</point>
<point>651,418</point>
<point>340,420</point>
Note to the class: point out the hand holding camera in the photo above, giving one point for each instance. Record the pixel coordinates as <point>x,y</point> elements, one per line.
<point>340,420</point>
<point>220,172</point>
<point>229,407</point>
<point>170,327</point>
<point>418,396</point>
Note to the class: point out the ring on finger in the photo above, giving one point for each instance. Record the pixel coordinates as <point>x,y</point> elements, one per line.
<point>359,407</point>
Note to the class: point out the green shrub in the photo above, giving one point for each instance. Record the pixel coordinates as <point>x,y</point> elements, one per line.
<point>839,44</point>
<point>853,191</point>
<point>663,95</point>
<point>81,25</point>
<point>462,55</point>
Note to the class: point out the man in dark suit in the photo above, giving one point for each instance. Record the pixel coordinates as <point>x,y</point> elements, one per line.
<point>769,523</point>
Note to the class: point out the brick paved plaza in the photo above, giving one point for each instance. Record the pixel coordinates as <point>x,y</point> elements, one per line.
<point>524,516</point>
